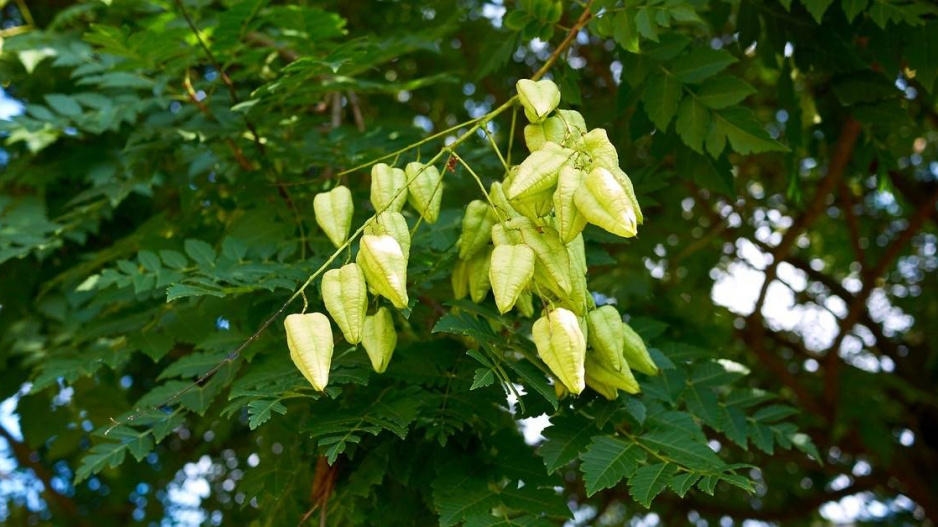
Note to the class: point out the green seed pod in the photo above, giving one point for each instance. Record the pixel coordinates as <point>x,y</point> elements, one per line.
<point>388,188</point>
<point>570,222</point>
<point>460,279</point>
<point>393,224</point>
<point>596,144</point>
<point>346,297</point>
<point>309,338</point>
<point>566,128</point>
<point>539,171</point>
<point>478,270</point>
<point>626,183</point>
<point>538,98</point>
<point>333,212</point>
<point>635,352</point>
<point>379,339</point>
<point>605,203</point>
<point>577,251</point>
<point>425,190</point>
<point>510,273</point>
<point>476,229</point>
<point>503,206</point>
<point>606,336</point>
<point>561,345</point>
<point>551,254</point>
<point>525,303</point>
<point>385,267</point>
<point>607,382</point>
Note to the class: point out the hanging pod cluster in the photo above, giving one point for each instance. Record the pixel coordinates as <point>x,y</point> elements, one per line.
<point>379,268</point>
<point>529,242</point>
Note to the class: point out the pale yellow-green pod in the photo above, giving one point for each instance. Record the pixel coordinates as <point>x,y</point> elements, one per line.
<point>538,98</point>
<point>578,299</point>
<point>388,188</point>
<point>538,172</point>
<point>536,206</point>
<point>393,224</point>
<point>626,183</point>
<point>607,336</point>
<point>510,273</point>
<point>570,222</point>
<point>566,128</point>
<point>604,203</point>
<point>478,270</point>
<point>476,229</point>
<point>551,254</point>
<point>309,337</point>
<point>596,144</point>
<point>425,190</point>
<point>460,279</point>
<point>576,248</point>
<point>379,338</point>
<point>504,236</point>
<point>333,211</point>
<point>635,352</point>
<point>385,267</point>
<point>346,297</point>
<point>608,382</point>
<point>500,200</point>
<point>525,303</point>
<point>561,345</point>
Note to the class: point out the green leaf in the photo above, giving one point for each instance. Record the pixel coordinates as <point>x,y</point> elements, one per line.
<point>483,377</point>
<point>724,91</point>
<point>624,31</point>
<point>761,436</point>
<point>64,104</point>
<point>564,440</point>
<point>173,259</point>
<point>773,413</point>
<point>607,461</point>
<point>703,403</point>
<point>535,500</point>
<point>683,482</point>
<point>852,8</point>
<point>260,411</point>
<point>745,134</point>
<point>648,482</point>
<point>693,119</point>
<point>701,63</point>
<point>201,252</point>
<point>734,425</point>
<point>646,24</point>
<point>817,8</point>
<point>683,449</point>
<point>662,96</point>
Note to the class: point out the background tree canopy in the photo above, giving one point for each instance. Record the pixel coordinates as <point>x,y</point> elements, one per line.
<point>156,185</point>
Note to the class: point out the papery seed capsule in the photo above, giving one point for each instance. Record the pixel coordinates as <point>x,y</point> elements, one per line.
<point>309,338</point>
<point>388,188</point>
<point>478,269</point>
<point>379,338</point>
<point>566,128</point>
<point>333,212</point>
<point>561,345</point>
<point>393,224</point>
<point>510,273</point>
<point>635,352</point>
<point>596,144</point>
<point>605,203</point>
<point>505,209</point>
<point>525,303</point>
<point>539,171</point>
<point>551,254</point>
<point>570,222</point>
<point>607,336</point>
<point>460,279</point>
<point>626,183</point>
<point>476,229</point>
<point>425,190</point>
<point>538,98</point>
<point>607,382</point>
<point>346,297</point>
<point>385,267</point>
